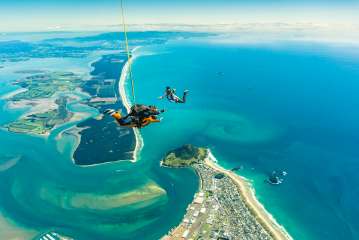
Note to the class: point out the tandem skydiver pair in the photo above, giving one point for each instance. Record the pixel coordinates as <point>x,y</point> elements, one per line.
<point>142,115</point>
<point>139,116</point>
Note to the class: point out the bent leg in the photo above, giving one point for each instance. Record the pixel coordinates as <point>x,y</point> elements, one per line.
<point>176,99</point>
<point>185,93</point>
<point>124,122</point>
<point>116,116</point>
<point>149,120</point>
<point>154,119</point>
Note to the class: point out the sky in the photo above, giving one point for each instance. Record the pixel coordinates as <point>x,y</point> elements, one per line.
<point>42,15</point>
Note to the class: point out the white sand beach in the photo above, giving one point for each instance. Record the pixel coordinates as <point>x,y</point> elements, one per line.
<point>248,196</point>
<point>127,105</point>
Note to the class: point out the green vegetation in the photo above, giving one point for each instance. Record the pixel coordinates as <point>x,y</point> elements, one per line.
<point>29,125</point>
<point>45,85</point>
<point>40,86</point>
<point>184,156</point>
<point>42,123</point>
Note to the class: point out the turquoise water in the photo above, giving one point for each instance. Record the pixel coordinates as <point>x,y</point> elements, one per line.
<point>45,190</point>
<point>267,107</point>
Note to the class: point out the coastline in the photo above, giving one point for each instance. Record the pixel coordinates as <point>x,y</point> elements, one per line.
<point>12,93</point>
<point>129,150</point>
<point>215,199</point>
<point>246,190</point>
<point>126,104</point>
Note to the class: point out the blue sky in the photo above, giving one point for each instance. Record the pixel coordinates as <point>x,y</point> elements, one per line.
<point>47,14</point>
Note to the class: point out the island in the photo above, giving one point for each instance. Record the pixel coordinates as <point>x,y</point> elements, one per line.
<point>47,108</point>
<point>276,177</point>
<point>224,207</point>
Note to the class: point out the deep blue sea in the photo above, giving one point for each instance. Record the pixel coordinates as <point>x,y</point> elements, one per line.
<point>265,107</point>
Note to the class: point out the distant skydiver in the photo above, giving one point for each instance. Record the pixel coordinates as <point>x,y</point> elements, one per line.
<point>140,116</point>
<point>170,94</point>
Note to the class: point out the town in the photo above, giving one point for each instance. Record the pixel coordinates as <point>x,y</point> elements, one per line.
<point>218,210</point>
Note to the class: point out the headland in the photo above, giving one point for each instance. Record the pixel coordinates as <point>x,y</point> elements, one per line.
<point>225,206</point>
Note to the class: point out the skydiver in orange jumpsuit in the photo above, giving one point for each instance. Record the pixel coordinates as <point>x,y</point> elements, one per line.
<point>140,116</point>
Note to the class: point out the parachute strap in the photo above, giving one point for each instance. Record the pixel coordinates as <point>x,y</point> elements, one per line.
<point>128,53</point>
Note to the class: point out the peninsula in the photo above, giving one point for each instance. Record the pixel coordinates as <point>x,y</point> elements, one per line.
<point>224,207</point>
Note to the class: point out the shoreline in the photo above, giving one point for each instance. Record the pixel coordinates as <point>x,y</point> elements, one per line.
<point>202,200</point>
<point>10,94</point>
<point>120,94</point>
<point>247,192</point>
<point>126,103</point>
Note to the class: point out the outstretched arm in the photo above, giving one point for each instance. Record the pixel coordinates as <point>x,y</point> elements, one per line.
<point>163,96</point>
<point>157,112</point>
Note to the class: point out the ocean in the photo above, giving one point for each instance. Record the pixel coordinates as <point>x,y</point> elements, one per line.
<point>266,107</point>
<point>262,107</point>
